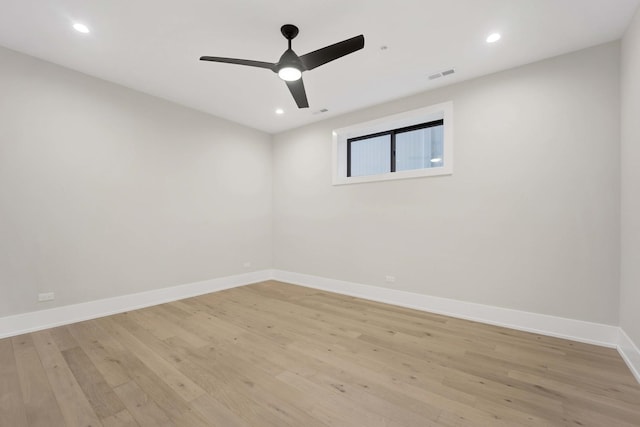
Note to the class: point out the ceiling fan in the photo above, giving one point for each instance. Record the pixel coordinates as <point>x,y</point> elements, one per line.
<point>290,66</point>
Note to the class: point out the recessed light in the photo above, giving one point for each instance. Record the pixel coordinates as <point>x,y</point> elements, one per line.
<point>81,28</point>
<point>493,38</point>
<point>279,111</point>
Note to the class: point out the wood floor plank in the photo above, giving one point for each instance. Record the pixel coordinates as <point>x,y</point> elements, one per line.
<point>226,386</point>
<point>179,383</point>
<point>216,413</point>
<point>121,419</point>
<point>260,389</point>
<point>12,408</point>
<point>100,395</point>
<point>274,354</point>
<point>75,407</point>
<point>105,352</point>
<point>166,396</point>
<point>63,338</point>
<point>360,396</point>
<point>161,323</point>
<point>145,411</point>
<point>39,400</point>
<point>332,409</point>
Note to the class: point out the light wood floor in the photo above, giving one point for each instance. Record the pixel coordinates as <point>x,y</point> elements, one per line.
<point>273,354</point>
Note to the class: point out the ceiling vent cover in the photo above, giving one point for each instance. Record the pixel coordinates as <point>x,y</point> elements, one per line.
<point>442,74</point>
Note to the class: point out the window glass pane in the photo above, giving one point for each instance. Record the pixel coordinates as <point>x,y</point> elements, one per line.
<point>371,156</point>
<point>419,149</point>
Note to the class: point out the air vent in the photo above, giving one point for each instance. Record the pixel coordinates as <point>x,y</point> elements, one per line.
<point>442,74</point>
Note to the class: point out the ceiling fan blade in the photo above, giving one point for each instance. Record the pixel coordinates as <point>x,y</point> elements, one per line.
<point>248,62</point>
<point>319,57</point>
<point>297,90</point>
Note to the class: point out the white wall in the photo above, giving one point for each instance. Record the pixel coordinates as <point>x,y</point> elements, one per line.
<point>105,191</point>
<point>630,260</point>
<point>529,219</point>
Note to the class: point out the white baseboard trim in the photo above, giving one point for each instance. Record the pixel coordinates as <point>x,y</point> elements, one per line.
<point>630,353</point>
<point>576,330</point>
<point>43,319</point>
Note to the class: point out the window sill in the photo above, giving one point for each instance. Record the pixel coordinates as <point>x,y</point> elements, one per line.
<point>416,173</point>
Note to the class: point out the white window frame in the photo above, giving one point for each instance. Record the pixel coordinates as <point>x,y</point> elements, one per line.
<point>443,111</point>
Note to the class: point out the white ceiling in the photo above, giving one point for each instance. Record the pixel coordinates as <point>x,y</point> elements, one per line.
<point>153,46</point>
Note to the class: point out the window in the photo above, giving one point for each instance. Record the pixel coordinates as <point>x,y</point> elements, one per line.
<point>414,147</point>
<point>369,155</point>
<point>408,145</point>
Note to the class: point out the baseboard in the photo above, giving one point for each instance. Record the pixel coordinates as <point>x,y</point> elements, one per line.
<point>43,319</point>
<point>630,353</point>
<point>576,330</point>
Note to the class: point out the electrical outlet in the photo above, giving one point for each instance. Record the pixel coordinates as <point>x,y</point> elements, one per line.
<point>390,279</point>
<point>246,264</point>
<point>48,296</point>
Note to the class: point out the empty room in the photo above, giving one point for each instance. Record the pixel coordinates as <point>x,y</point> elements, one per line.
<point>319,213</point>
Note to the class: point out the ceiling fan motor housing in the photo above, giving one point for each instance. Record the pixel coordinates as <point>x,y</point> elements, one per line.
<point>290,59</point>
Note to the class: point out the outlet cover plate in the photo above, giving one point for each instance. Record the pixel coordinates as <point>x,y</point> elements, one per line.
<point>47,296</point>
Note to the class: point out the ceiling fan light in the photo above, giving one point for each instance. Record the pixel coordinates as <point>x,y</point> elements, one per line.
<point>289,74</point>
